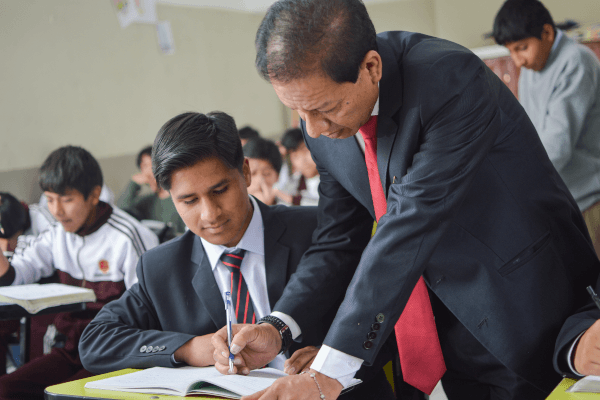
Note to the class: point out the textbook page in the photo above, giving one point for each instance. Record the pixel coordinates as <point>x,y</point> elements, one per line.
<point>588,384</point>
<point>185,380</point>
<point>35,297</point>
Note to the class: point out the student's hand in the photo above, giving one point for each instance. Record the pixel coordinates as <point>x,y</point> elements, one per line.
<point>260,189</point>
<point>587,352</point>
<point>286,198</point>
<point>254,347</point>
<point>301,360</point>
<point>197,352</point>
<point>140,178</point>
<point>299,387</point>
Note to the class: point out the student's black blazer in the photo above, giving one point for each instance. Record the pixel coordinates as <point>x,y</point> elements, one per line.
<point>473,204</point>
<point>177,296</point>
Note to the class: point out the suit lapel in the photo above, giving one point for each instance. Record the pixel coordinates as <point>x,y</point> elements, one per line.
<point>205,285</point>
<point>390,101</point>
<point>276,254</point>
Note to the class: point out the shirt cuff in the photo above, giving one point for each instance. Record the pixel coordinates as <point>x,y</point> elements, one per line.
<point>289,321</point>
<point>336,364</point>
<point>570,355</point>
<point>176,363</point>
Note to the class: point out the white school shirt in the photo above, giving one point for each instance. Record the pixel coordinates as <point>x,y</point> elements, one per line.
<point>252,269</point>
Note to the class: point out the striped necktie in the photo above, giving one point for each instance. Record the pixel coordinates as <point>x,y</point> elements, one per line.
<point>240,296</point>
<point>419,347</point>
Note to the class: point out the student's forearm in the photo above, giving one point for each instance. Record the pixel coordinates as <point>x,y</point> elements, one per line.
<point>197,352</point>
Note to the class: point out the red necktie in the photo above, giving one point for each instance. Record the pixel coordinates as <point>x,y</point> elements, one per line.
<point>421,356</point>
<point>240,295</point>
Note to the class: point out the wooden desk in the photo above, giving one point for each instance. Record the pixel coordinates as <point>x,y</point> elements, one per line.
<point>75,390</point>
<point>9,311</point>
<point>560,394</point>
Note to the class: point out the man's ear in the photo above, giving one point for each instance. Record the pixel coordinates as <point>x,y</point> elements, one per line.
<point>246,172</point>
<point>372,63</point>
<point>95,195</point>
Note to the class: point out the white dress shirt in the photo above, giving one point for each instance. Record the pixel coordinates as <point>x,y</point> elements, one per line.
<point>329,361</point>
<point>252,269</point>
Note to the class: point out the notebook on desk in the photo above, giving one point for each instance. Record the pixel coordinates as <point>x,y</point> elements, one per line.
<point>36,297</point>
<point>191,380</point>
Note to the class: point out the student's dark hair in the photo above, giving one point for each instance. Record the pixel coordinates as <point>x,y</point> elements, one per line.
<point>300,37</point>
<point>146,151</point>
<point>14,216</point>
<point>264,149</point>
<point>70,167</point>
<point>520,19</point>
<point>248,132</point>
<point>192,137</point>
<point>292,139</point>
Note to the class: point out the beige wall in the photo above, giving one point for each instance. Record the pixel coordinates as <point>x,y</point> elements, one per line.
<point>406,15</point>
<point>70,75</point>
<point>465,21</point>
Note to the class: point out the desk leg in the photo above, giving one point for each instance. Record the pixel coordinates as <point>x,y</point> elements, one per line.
<point>24,340</point>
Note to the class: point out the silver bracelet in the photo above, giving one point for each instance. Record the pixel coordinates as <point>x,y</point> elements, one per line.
<point>312,375</point>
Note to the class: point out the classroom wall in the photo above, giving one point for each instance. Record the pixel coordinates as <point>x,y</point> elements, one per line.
<point>70,75</point>
<point>465,21</point>
<point>406,15</point>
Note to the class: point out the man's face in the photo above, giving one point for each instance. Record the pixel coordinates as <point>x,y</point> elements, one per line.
<point>302,161</point>
<point>532,53</point>
<point>262,171</point>
<point>71,209</point>
<point>335,110</point>
<point>213,201</point>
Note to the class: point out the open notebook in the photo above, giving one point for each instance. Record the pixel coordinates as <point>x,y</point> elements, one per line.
<point>36,297</point>
<point>191,380</point>
<point>589,384</point>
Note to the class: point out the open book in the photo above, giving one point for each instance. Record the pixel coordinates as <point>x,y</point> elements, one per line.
<point>36,297</point>
<point>589,384</point>
<point>191,380</point>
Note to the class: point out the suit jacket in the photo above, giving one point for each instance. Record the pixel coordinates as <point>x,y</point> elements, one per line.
<point>473,204</point>
<point>177,297</point>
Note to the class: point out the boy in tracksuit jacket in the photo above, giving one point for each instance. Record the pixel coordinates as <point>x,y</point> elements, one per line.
<point>91,244</point>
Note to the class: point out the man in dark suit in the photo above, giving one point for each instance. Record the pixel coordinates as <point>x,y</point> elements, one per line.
<point>168,318</point>
<point>464,194</point>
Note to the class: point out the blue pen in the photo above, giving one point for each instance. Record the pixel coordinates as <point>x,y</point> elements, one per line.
<point>229,313</point>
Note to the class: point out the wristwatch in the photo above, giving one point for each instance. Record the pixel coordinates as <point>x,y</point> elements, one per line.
<point>284,331</point>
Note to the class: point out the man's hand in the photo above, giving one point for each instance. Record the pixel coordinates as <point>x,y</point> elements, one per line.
<point>254,346</point>
<point>299,387</point>
<point>4,265</point>
<point>301,360</point>
<point>197,352</point>
<point>587,352</point>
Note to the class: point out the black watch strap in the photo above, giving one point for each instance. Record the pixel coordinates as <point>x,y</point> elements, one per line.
<point>284,331</point>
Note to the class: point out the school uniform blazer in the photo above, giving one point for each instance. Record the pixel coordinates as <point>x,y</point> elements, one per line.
<point>177,297</point>
<point>473,204</point>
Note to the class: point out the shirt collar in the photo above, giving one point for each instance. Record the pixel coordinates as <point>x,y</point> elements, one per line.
<point>376,108</point>
<point>559,35</point>
<point>252,241</point>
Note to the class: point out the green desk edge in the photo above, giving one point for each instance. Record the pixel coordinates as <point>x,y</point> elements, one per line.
<point>76,390</point>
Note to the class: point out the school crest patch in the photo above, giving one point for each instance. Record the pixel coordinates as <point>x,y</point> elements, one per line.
<point>103,264</point>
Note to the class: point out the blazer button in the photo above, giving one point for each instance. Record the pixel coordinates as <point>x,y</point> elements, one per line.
<point>155,349</point>
<point>143,349</point>
<point>149,349</point>
<point>161,348</point>
<point>380,317</point>
<point>367,345</point>
<point>371,335</point>
<point>375,326</point>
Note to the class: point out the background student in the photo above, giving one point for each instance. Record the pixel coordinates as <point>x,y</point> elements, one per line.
<point>559,88</point>
<point>265,162</point>
<point>156,205</point>
<point>92,245</point>
<point>198,158</point>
